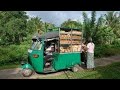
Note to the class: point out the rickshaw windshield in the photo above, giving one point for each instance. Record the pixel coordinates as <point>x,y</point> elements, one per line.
<point>36,45</point>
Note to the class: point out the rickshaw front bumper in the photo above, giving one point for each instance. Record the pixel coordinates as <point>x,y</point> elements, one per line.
<point>28,66</point>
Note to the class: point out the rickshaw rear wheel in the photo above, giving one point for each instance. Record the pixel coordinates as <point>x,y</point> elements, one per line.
<point>27,72</point>
<point>75,68</point>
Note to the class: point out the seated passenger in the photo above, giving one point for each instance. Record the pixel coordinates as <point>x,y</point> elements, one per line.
<point>49,52</point>
<point>49,55</point>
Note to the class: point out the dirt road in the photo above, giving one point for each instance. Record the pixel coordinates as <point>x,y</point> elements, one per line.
<point>16,73</point>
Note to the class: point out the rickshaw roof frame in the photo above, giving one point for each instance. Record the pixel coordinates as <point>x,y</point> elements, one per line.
<point>54,34</point>
<point>69,29</point>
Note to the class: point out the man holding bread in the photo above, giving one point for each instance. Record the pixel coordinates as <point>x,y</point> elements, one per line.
<point>83,54</point>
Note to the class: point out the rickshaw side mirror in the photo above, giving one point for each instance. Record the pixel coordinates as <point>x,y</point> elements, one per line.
<point>34,39</point>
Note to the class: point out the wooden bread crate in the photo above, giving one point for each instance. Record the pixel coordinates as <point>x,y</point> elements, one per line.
<point>72,39</point>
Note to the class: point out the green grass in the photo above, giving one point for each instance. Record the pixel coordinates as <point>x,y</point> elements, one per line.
<point>107,72</point>
<point>9,66</point>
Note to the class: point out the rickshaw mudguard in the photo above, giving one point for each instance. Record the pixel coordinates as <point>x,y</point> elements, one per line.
<point>27,66</point>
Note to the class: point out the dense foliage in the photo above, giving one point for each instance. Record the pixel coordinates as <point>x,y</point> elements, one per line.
<point>17,29</point>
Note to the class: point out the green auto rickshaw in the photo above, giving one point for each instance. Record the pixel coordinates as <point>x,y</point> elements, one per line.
<point>53,51</point>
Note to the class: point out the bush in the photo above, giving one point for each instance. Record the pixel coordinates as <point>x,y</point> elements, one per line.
<point>13,54</point>
<point>107,50</point>
<point>116,42</point>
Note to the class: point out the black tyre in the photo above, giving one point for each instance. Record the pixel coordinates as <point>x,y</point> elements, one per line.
<point>27,72</point>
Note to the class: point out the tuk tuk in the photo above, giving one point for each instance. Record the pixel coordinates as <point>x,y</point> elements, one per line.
<point>54,51</point>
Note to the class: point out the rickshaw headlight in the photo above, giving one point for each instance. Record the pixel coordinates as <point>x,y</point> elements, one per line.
<point>30,51</point>
<point>35,55</point>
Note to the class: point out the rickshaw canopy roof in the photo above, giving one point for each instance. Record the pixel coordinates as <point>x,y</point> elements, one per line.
<point>50,35</point>
<point>53,34</point>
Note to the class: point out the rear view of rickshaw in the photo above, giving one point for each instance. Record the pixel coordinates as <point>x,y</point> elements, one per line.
<point>54,51</point>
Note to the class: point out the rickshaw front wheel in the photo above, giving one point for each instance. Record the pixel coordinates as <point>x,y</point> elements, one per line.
<point>27,72</point>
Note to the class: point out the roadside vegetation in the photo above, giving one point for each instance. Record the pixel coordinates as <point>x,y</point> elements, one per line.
<point>17,29</point>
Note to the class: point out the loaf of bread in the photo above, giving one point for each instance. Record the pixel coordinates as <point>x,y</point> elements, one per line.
<point>76,32</point>
<point>76,48</point>
<point>73,48</point>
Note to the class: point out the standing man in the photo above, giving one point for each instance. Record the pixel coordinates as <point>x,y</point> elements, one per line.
<point>90,54</point>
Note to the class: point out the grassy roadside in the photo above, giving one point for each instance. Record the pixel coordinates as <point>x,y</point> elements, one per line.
<point>9,66</point>
<point>111,71</point>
